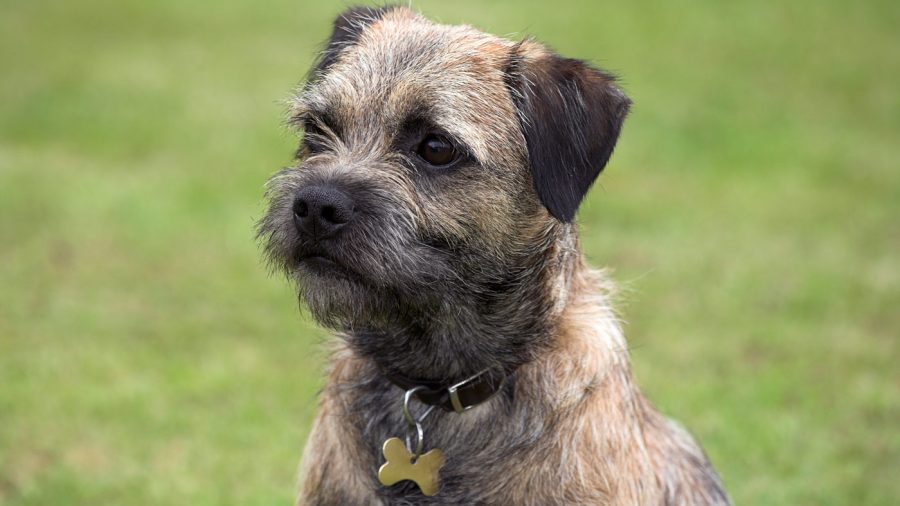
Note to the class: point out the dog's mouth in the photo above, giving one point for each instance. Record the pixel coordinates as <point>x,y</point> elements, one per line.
<point>323,264</point>
<point>319,262</point>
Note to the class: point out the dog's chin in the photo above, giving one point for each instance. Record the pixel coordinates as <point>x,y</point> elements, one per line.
<point>355,288</point>
<point>338,297</point>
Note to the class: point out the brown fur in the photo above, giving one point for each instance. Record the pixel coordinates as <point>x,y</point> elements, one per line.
<point>447,272</point>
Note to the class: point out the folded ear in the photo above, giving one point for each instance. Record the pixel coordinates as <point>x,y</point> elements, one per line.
<point>347,28</point>
<point>570,114</point>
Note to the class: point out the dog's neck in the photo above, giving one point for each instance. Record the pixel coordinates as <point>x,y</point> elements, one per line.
<point>583,360</point>
<point>586,351</point>
<point>501,326</point>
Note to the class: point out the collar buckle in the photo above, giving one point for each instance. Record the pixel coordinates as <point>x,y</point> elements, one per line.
<point>471,382</point>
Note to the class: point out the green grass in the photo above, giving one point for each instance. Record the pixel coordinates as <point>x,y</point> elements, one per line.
<point>751,211</point>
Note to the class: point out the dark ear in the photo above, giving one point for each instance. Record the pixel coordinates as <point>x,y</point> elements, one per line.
<point>570,114</point>
<point>347,28</point>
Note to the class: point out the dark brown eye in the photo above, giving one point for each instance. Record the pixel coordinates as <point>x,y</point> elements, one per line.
<point>436,150</point>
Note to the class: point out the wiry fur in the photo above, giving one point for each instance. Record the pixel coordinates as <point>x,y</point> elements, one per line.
<point>445,273</point>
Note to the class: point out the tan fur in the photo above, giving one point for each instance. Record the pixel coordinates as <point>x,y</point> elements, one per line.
<point>330,458</point>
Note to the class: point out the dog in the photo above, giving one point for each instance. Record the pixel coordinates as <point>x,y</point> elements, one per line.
<point>429,221</point>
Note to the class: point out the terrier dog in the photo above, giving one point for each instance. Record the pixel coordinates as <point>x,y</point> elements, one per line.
<point>429,220</point>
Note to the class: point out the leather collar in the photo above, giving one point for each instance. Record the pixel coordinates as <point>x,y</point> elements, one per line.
<point>457,397</point>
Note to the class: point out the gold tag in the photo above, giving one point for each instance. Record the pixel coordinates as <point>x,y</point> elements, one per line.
<point>400,466</point>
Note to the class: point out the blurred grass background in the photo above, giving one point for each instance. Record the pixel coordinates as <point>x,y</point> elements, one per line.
<point>751,212</point>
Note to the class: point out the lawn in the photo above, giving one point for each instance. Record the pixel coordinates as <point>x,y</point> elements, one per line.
<point>751,211</point>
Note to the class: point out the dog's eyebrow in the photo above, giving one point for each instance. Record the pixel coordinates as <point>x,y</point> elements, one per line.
<point>300,118</point>
<point>416,117</point>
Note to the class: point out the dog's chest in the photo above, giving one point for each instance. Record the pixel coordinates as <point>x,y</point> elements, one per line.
<point>480,456</point>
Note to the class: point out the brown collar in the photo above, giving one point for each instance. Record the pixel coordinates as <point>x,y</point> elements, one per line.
<point>458,397</point>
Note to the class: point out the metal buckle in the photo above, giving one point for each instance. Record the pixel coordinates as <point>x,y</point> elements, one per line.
<point>454,397</point>
<point>454,389</point>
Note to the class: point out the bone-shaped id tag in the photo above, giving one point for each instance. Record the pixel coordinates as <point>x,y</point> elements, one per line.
<point>406,461</point>
<point>400,466</point>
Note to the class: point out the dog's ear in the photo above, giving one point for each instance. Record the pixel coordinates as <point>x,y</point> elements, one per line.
<point>347,28</point>
<point>570,115</point>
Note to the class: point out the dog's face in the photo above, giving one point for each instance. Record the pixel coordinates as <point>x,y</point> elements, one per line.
<point>439,167</point>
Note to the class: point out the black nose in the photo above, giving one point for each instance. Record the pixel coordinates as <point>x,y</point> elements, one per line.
<point>320,211</point>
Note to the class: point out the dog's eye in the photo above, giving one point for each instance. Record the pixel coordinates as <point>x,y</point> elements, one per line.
<point>437,150</point>
<point>313,137</point>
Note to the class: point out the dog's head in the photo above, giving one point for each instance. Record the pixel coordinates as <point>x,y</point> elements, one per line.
<point>439,171</point>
